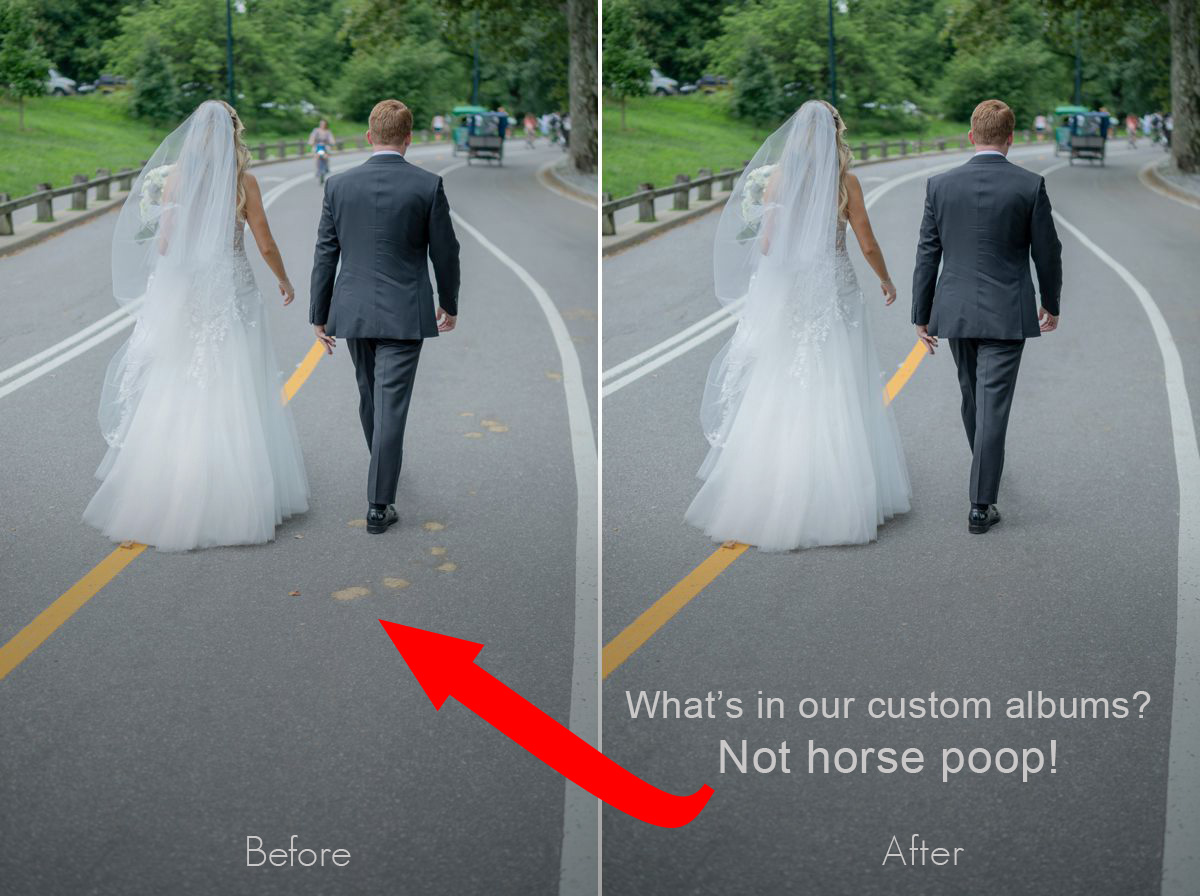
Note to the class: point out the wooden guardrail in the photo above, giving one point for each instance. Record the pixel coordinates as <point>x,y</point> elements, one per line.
<point>102,183</point>
<point>680,191</point>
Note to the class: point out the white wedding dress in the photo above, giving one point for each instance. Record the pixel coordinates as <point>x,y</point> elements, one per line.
<point>203,451</point>
<point>804,451</point>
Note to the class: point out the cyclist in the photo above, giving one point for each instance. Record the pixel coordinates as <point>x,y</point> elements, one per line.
<point>322,141</point>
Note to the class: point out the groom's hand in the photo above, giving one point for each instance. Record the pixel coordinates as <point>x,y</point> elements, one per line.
<point>326,340</point>
<point>445,322</point>
<point>1048,322</point>
<point>923,335</point>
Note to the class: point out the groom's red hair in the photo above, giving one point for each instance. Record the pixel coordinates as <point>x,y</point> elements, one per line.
<point>992,123</point>
<point>391,123</point>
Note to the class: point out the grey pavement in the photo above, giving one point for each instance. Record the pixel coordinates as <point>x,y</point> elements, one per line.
<point>193,702</point>
<point>1189,183</point>
<point>1074,593</point>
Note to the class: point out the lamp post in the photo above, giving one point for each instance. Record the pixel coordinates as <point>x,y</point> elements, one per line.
<point>475,63</point>
<point>229,49</point>
<point>1078,65</point>
<point>832,62</point>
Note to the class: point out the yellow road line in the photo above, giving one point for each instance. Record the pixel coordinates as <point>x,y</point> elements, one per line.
<point>901,377</point>
<point>34,635</point>
<point>31,637</point>
<point>622,647</point>
<point>303,372</point>
<point>642,629</point>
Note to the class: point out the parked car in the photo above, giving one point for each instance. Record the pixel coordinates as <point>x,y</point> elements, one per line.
<point>59,85</point>
<point>661,85</point>
<point>712,83</point>
<point>104,84</point>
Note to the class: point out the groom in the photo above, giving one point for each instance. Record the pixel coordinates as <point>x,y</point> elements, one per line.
<point>383,219</point>
<point>983,221</point>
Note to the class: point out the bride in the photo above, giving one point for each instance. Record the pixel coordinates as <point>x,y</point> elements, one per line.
<point>202,450</point>
<point>804,451</point>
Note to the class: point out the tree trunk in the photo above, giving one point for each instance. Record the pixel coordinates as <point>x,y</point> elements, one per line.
<point>581,22</point>
<point>1185,84</point>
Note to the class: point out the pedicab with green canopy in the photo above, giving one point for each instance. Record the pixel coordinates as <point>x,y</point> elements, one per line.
<point>462,116</point>
<point>1062,126</point>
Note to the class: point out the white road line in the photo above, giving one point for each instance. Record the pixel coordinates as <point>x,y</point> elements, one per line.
<point>124,322</point>
<point>1181,854</point>
<point>671,348</point>
<point>100,331</point>
<point>1181,839</point>
<point>581,810</point>
<point>70,341</point>
<point>668,343</point>
<point>725,322</point>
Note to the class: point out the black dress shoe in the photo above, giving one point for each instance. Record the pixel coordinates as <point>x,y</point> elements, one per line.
<point>981,520</point>
<point>379,520</point>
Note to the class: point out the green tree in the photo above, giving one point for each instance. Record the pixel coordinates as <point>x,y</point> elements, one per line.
<point>23,65</point>
<point>756,94</point>
<point>418,74</point>
<point>155,94</point>
<point>398,52</point>
<point>1001,50</point>
<point>74,33</point>
<point>626,65</point>
<point>498,23</point>
<point>191,35</point>
<point>674,34</point>
<point>1128,36</point>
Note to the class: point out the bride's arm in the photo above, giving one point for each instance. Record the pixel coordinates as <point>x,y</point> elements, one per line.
<point>857,213</point>
<point>256,217</point>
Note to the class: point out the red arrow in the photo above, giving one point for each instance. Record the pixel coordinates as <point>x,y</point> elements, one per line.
<point>445,667</point>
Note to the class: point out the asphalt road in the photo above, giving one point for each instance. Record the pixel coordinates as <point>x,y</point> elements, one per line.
<point>1074,594</point>
<point>194,702</point>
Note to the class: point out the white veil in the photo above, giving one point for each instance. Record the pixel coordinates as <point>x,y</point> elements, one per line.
<point>774,253</point>
<point>171,252</point>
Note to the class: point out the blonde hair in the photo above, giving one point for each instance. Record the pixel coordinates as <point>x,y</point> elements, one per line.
<point>844,157</point>
<point>391,123</point>
<point>243,158</point>
<point>992,123</point>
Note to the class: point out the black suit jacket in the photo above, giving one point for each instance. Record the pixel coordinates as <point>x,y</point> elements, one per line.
<point>385,220</point>
<point>983,220</point>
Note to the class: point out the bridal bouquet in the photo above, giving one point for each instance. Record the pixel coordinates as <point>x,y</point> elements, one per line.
<point>752,195</point>
<point>152,193</point>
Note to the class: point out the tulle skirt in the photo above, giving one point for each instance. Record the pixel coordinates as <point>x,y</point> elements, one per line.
<point>209,455</point>
<point>809,457</point>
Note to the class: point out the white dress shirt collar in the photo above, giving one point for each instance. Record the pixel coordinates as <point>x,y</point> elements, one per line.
<point>387,152</point>
<point>988,152</point>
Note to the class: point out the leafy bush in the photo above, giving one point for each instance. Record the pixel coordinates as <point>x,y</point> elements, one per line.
<point>1012,71</point>
<point>756,94</point>
<point>155,94</point>
<point>419,75</point>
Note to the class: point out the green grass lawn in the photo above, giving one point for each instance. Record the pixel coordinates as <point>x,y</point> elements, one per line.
<point>670,135</point>
<point>71,135</point>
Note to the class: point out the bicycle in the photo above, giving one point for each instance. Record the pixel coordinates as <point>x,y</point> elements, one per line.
<point>322,163</point>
